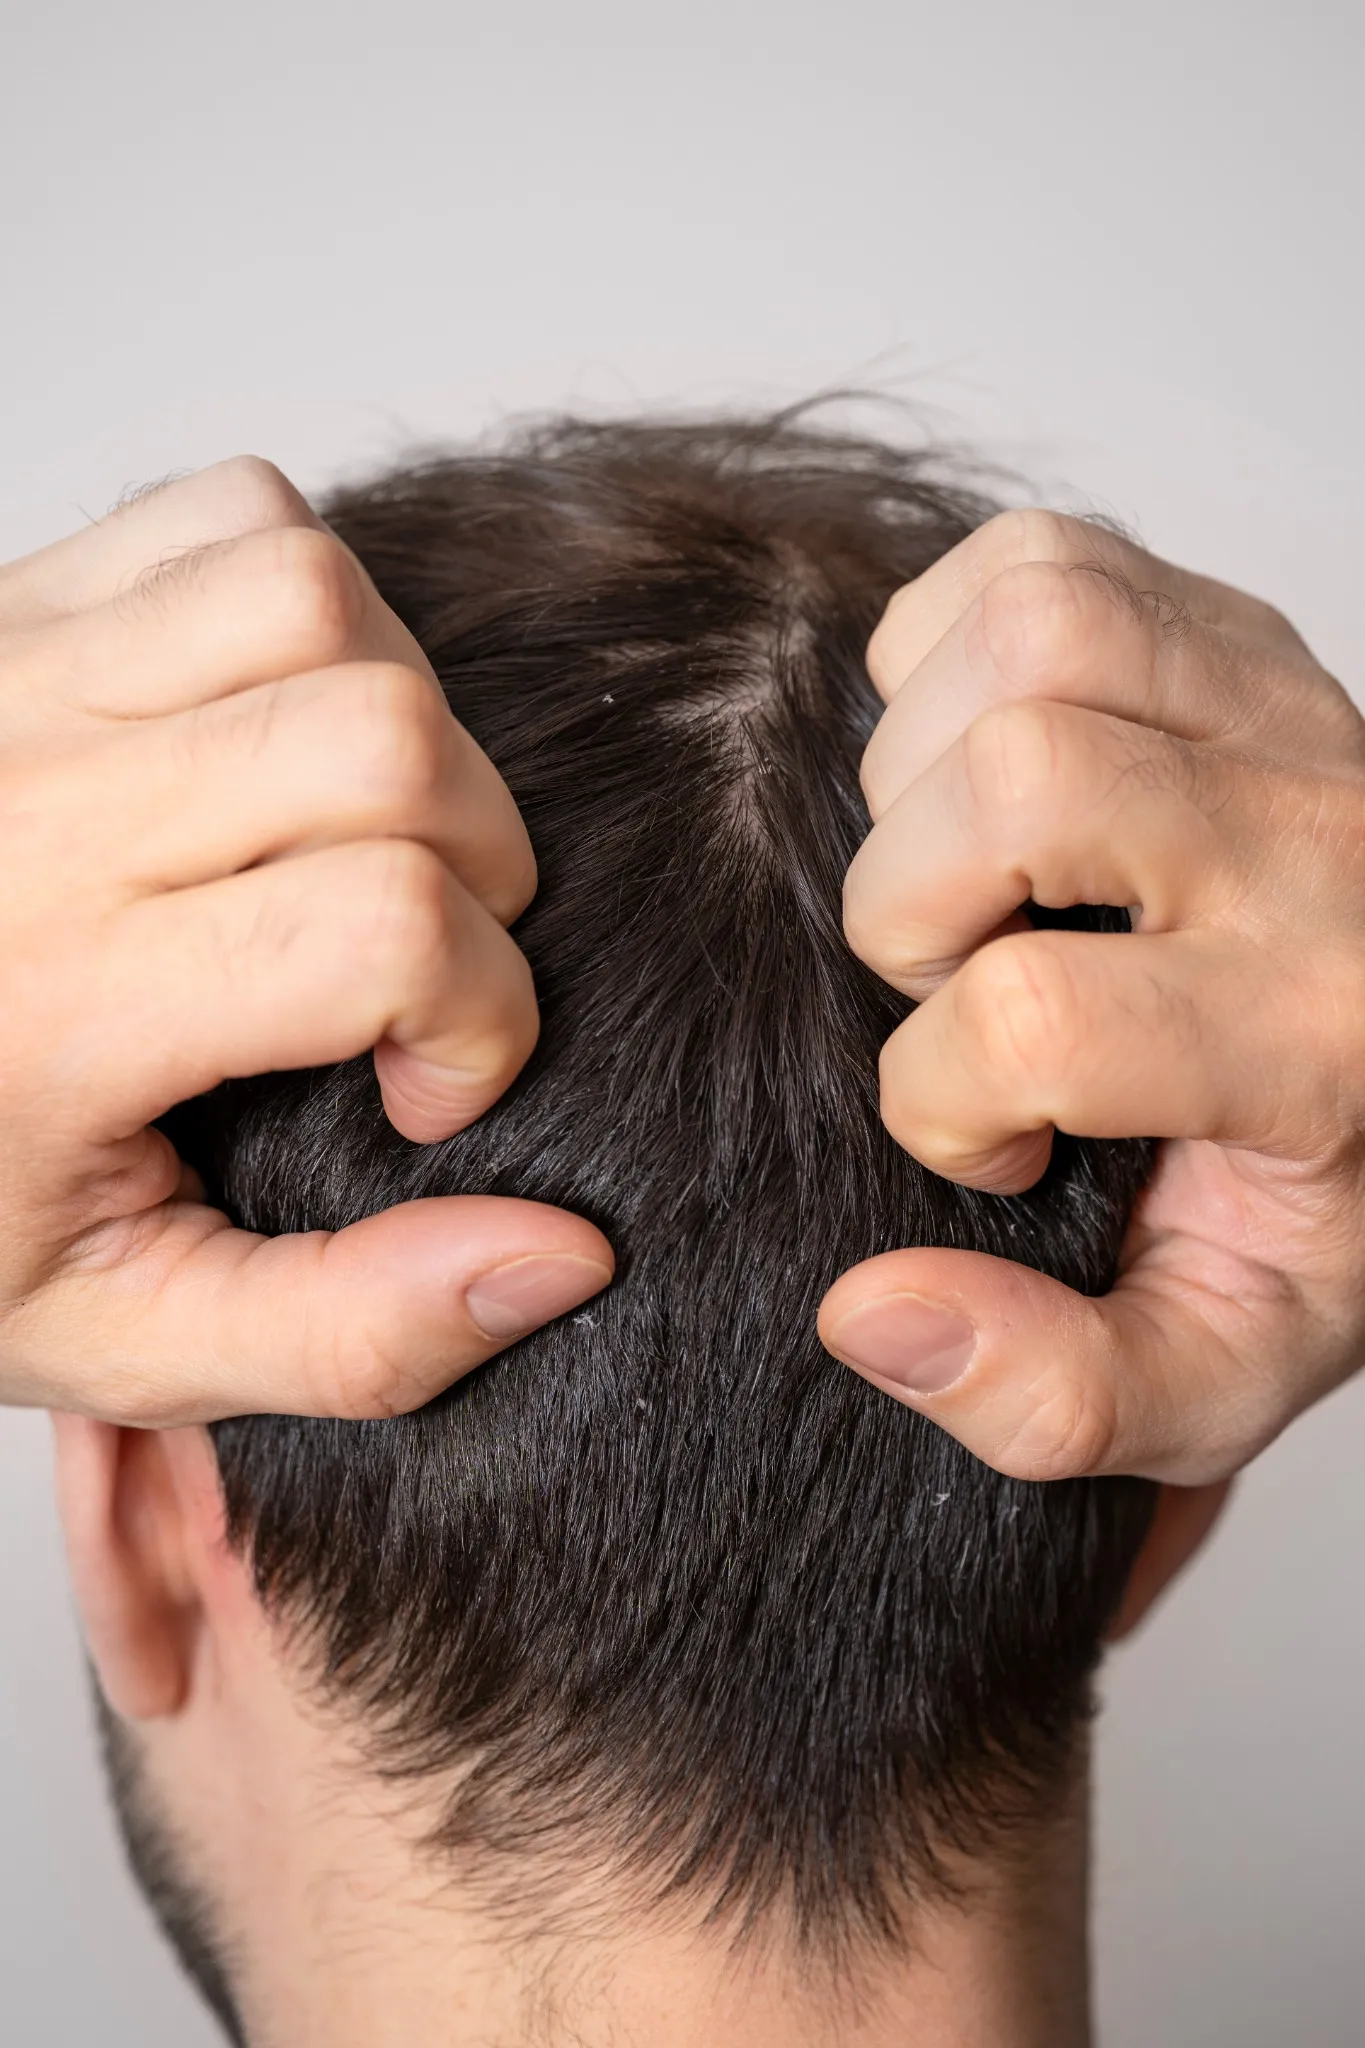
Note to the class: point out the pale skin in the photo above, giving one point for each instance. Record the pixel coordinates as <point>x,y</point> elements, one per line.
<point>250,836</point>
<point>1073,720</point>
<point>240,830</point>
<point>342,1932</point>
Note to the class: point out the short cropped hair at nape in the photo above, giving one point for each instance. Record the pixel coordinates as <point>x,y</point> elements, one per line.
<point>665,1591</point>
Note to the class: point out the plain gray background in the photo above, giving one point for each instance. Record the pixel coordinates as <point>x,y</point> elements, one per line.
<point>1120,247</point>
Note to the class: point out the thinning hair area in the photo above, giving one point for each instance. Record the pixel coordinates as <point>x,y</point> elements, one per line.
<point>664,1591</point>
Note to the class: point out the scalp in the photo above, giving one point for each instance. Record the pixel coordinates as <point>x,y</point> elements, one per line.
<point>664,1585</point>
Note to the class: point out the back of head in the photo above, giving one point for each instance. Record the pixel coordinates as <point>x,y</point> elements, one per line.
<point>664,1590</point>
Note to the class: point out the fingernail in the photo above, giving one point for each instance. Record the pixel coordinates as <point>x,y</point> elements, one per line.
<point>907,1342</point>
<point>515,1298</point>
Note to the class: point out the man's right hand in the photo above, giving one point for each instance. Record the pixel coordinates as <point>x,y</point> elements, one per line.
<point>240,831</point>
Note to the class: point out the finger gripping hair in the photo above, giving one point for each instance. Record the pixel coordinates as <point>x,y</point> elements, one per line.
<point>665,1589</point>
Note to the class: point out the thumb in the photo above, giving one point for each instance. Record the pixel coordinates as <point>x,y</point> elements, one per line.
<point>1045,1383</point>
<point>206,1321</point>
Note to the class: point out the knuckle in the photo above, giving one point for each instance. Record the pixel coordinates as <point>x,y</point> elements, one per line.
<point>1273,626</point>
<point>1014,759</point>
<point>1031,534</point>
<point>1069,1433</point>
<point>1277,623</point>
<point>256,495</point>
<point>396,736</point>
<point>1033,621</point>
<point>1016,1003</point>
<point>317,594</point>
<point>403,907</point>
<point>365,1381</point>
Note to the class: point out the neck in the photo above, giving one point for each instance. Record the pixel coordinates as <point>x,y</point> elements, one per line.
<point>359,1950</point>
<point>339,1930</point>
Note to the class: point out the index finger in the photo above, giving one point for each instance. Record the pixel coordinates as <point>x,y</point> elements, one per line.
<point>223,502</point>
<point>920,613</point>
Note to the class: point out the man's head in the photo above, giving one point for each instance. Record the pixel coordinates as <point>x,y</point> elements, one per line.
<point>663,1605</point>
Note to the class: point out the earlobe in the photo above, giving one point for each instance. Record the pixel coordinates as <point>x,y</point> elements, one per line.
<point>134,1504</point>
<point>1183,1521</point>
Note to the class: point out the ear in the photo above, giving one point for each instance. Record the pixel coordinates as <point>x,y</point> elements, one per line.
<point>142,1511</point>
<point>1184,1519</point>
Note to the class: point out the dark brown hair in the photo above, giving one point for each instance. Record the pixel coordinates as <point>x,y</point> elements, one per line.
<point>686,1597</point>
